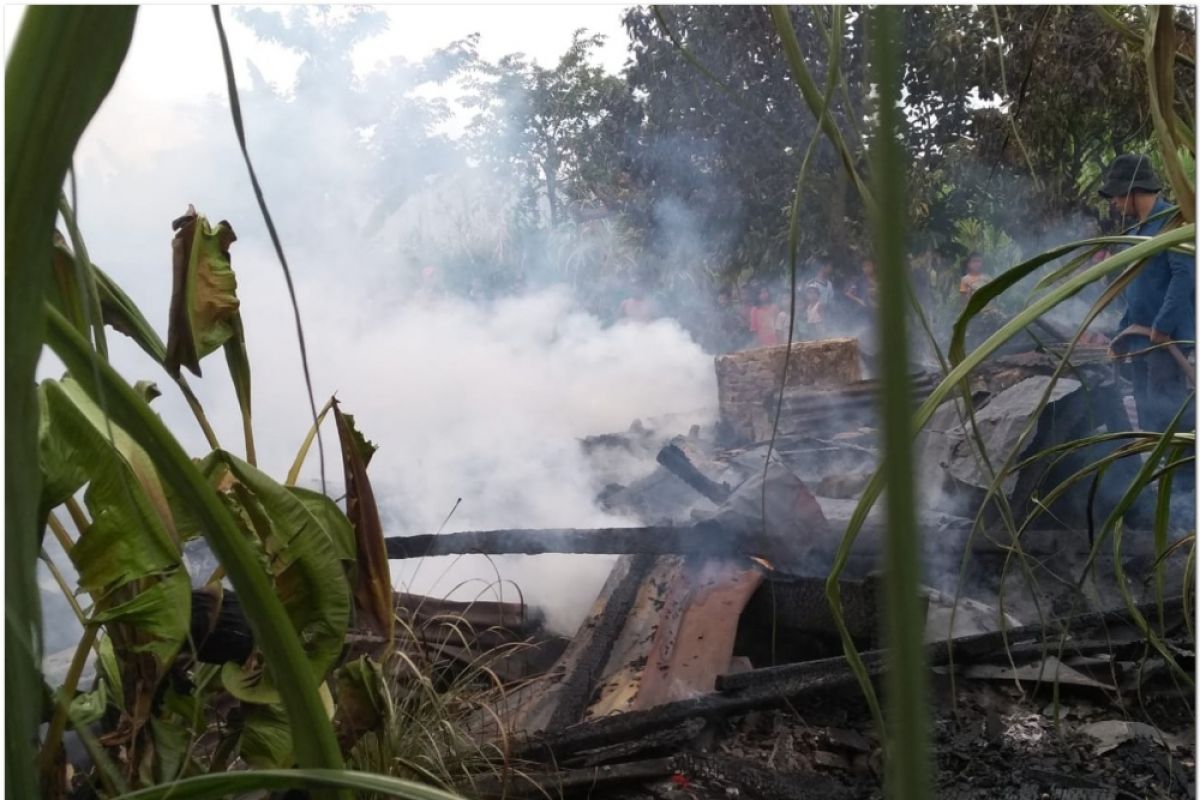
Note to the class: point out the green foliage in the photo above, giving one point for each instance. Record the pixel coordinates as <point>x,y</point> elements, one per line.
<point>416,716</point>
<point>907,742</point>
<point>302,555</point>
<point>127,558</point>
<point>908,760</point>
<point>272,627</point>
<point>981,236</point>
<point>220,785</point>
<point>55,79</point>
<point>294,547</point>
<point>289,553</point>
<point>553,132</point>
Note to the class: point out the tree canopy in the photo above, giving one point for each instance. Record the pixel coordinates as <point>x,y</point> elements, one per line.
<point>687,161</point>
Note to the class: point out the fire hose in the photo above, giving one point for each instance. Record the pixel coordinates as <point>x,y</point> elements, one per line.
<point>1141,330</point>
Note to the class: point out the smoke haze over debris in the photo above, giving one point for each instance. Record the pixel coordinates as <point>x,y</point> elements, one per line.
<point>474,342</point>
<point>482,400</point>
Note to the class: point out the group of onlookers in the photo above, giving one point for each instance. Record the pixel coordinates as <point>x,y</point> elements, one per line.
<point>759,314</point>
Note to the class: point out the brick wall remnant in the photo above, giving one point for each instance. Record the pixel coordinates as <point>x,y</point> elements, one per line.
<point>745,379</point>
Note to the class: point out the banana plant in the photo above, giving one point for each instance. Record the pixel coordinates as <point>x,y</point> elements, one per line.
<point>327,567</point>
<point>89,443</point>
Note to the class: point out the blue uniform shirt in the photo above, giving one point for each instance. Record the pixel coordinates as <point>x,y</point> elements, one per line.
<point>1162,296</point>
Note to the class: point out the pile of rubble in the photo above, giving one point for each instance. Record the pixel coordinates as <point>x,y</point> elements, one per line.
<point>710,664</point>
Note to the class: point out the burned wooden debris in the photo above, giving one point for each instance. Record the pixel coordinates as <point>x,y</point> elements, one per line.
<point>701,538</point>
<point>634,737</point>
<point>711,659</point>
<point>682,467</point>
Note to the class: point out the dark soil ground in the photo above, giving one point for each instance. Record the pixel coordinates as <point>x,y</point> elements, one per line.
<point>993,740</point>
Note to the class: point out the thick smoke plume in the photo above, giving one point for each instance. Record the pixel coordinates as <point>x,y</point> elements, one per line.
<point>487,402</point>
<point>482,400</point>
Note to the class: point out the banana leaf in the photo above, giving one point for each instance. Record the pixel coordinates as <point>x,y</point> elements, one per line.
<point>373,579</point>
<point>363,700</point>
<point>266,739</point>
<point>62,64</point>
<point>61,479</point>
<point>313,735</point>
<point>123,315</point>
<point>225,784</point>
<point>331,518</point>
<point>165,760</point>
<point>204,291</point>
<point>126,558</point>
<point>238,361</point>
<point>63,291</point>
<point>302,555</point>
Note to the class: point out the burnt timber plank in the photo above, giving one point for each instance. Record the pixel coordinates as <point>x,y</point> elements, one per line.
<point>1017,641</point>
<point>657,540</point>
<point>578,684</point>
<point>774,686</point>
<point>689,653</point>
<point>706,538</point>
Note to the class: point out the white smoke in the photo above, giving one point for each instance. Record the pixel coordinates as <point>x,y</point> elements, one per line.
<point>484,402</point>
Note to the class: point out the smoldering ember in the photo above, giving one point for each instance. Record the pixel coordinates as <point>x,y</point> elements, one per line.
<point>742,402</point>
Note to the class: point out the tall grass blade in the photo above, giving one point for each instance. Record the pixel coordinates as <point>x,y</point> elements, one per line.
<point>293,474</point>
<point>964,364</point>
<point>1159,48</point>
<point>220,785</point>
<point>1114,527</point>
<point>908,728</point>
<point>62,65</point>
<point>236,110</point>
<point>86,278</point>
<point>813,97</point>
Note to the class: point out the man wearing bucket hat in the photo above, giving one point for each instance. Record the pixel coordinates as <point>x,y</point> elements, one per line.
<point>1158,329</point>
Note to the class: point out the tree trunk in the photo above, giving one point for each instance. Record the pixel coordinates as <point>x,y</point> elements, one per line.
<point>550,170</point>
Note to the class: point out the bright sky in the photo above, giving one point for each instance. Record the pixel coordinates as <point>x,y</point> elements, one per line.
<point>175,60</point>
<point>175,52</point>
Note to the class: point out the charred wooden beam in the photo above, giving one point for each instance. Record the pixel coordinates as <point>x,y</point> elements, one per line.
<point>670,740</point>
<point>775,686</point>
<point>1023,642</point>
<point>634,724</point>
<point>479,614</point>
<point>682,467</point>
<point>704,538</point>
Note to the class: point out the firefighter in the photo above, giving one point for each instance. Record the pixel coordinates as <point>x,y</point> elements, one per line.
<point>1158,329</point>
